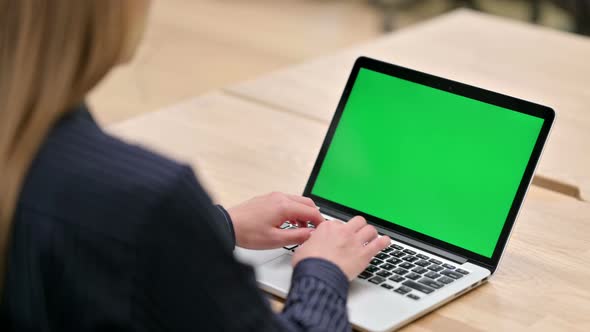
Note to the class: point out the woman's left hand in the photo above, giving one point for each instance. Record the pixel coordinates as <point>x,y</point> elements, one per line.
<point>256,222</point>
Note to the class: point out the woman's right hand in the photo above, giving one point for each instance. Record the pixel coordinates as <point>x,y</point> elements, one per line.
<point>350,246</point>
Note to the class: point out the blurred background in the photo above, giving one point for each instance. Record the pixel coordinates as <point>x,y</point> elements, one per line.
<point>194,46</point>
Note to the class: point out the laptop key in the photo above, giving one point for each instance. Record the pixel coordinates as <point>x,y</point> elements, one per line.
<point>365,275</point>
<point>413,276</point>
<point>409,252</point>
<point>432,275</point>
<point>382,256</point>
<point>420,270</point>
<point>386,286</point>
<point>393,260</point>
<point>462,271</point>
<point>383,273</point>
<point>400,271</point>
<point>422,256</point>
<point>452,274</point>
<point>406,266</point>
<point>414,297</point>
<point>386,250</point>
<point>376,261</point>
<point>396,246</point>
<point>372,269</point>
<point>448,266</point>
<point>398,254</point>
<point>445,280</point>
<point>431,283</point>
<point>422,263</point>
<point>387,266</point>
<point>419,287</point>
<point>397,278</point>
<point>435,261</point>
<point>403,290</point>
<point>377,280</point>
<point>435,268</point>
<point>410,258</point>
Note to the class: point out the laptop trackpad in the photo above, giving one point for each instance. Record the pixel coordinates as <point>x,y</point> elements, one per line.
<point>275,275</point>
<point>257,257</point>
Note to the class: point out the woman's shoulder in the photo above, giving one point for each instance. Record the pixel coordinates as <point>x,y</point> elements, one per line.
<point>82,147</point>
<point>82,173</point>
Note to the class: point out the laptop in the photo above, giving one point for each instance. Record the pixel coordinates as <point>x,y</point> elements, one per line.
<point>440,166</point>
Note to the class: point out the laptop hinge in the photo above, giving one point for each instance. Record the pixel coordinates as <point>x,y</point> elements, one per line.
<point>400,237</point>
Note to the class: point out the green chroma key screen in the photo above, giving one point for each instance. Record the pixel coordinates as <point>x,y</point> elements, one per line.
<point>437,163</point>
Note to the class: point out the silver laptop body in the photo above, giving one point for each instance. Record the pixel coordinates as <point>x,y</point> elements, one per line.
<point>417,273</point>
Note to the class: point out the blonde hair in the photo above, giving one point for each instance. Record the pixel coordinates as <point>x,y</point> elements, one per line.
<point>52,52</point>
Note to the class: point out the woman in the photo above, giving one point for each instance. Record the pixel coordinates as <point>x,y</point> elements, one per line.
<point>96,234</point>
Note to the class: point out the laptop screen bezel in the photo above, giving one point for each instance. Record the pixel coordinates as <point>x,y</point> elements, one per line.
<point>486,96</point>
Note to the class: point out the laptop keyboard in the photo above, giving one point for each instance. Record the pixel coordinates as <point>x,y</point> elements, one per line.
<point>408,273</point>
<point>404,271</point>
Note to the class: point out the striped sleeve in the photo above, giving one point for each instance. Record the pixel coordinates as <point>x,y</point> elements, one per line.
<point>188,278</point>
<point>317,299</point>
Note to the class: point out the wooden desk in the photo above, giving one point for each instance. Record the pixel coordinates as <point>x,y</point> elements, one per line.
<point>530,62</point>
<point>242,149</point>
<point>238,148</point>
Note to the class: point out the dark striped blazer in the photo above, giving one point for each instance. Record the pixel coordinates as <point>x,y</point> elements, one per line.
<point>108,236</point>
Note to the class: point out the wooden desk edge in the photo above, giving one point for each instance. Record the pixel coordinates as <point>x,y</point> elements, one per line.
<point>559,187</point>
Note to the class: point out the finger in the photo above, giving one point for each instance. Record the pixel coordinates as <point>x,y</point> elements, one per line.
<point>378,244</point>
<point>366,234</point>
<point>284,237</point>
<point>301,199</point>
<point>296,211</point>
<point>356,223</point>
<point>330,221</point>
